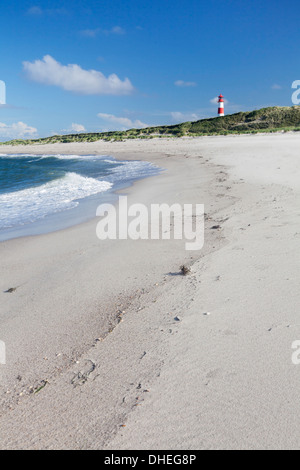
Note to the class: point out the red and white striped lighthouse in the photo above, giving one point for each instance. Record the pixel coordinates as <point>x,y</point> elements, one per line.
<point>221,106</point>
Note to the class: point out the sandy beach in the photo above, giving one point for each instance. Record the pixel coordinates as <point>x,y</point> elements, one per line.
<point>109,347</point>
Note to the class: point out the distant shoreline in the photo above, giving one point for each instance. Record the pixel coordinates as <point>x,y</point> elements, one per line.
<point>266,120</point>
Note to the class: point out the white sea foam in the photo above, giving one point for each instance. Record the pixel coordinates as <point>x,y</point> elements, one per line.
<point>131,170</point>
<point>29,205</point>
<point>61,156</point>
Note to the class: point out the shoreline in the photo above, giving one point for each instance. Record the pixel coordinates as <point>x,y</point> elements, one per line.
<point>94,325</point>
<point>66,218</point>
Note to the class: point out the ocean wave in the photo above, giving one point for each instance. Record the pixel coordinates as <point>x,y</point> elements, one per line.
<point>54,155</point>
<point>84,175</point>
<point>131,170</point>
<point>29,205</point>
<point>61,156</point>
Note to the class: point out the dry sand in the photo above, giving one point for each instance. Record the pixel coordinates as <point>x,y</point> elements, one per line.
<point>224,380</point>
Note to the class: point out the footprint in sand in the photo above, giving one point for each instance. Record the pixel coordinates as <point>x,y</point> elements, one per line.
<point>83,375</point>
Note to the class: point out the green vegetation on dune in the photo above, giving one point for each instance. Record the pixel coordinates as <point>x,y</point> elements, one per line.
<point>263,120</point>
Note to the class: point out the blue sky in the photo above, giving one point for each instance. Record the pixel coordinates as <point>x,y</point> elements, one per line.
<point>73,66</point>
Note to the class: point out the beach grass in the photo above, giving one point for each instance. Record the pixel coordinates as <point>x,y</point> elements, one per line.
<point>266,120</point>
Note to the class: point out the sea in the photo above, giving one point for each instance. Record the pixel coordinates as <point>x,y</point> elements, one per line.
<point>44,193</point>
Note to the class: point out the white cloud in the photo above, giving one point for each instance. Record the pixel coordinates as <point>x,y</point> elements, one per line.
<point>177,116</point>
<point>77,127</point>
<point>276,87</point>
<point>38,11</point>
<point>18,130</point>
<point>92,33</point>
<point>35,10</point>
<point>74,128</point>
<point>126,123</point>
<point>117,30</point>
<point>182,83</point>
<point>73,78</point>
<point>2,93</point>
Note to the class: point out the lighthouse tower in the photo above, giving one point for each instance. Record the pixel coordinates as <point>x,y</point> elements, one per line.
<point>221,106</point>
